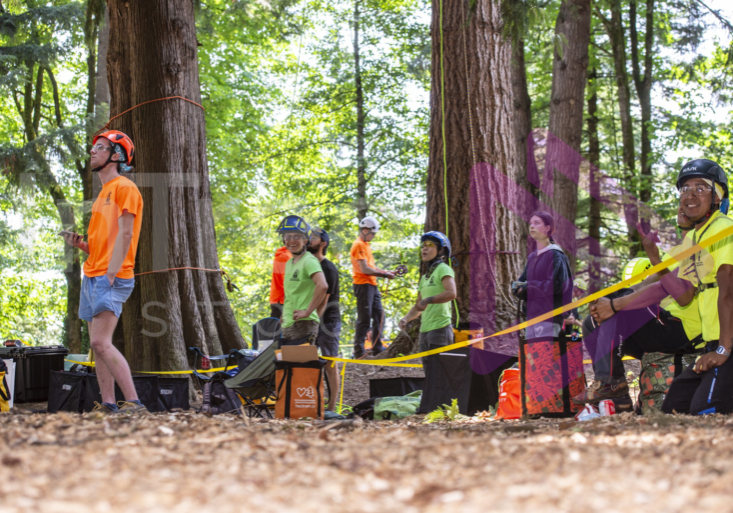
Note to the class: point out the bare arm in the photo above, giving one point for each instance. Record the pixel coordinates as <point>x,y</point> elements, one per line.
<point>75,240</point>
<point>449,294</point>
<point>725,315</point>
<point>365,268</point>
<point>318,294</point>
<point>414,313</point>
<point>648,242</point>
<point>682,290</point>
<point>126,224</point>
<point>322,307</point>
<point>649,280</point>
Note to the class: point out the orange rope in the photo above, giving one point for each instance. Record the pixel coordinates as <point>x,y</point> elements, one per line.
<point>106,125</point>
<point>183,268</point>
<point>230,285</point>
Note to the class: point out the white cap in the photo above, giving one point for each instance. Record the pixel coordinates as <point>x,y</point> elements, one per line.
<point>371,223</point>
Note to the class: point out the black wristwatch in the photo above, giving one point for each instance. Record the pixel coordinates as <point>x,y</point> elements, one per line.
<point>723,351</point>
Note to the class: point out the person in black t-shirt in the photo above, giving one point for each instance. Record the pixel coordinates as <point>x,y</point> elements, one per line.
<point>329,330</point>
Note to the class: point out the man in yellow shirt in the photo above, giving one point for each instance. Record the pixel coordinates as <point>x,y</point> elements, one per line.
<point>369,311</point>
<point>707,385</point>
<point>665,328</point>
<point>114,231</point>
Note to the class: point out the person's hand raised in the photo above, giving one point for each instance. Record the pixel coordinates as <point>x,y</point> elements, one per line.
<point>649,242</point>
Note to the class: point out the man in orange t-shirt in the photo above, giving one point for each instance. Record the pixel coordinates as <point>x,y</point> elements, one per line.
<point>277,291</point>
<point>114,231</point>
<point>369,311</point>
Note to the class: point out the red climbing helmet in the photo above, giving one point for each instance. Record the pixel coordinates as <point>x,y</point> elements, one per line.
<point>117,137</point>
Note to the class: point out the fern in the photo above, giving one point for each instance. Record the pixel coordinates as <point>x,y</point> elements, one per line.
<point>446,413</point>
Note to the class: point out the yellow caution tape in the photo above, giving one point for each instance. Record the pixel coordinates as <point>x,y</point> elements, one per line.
<point>189,371</point>
<point>625,358</point>
<point>557,311</point>
<point>395,362</point>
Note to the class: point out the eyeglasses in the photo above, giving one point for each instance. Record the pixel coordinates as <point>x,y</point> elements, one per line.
<point>291,237</point>
<point>429,244</point>
<point>699,189</point>
<point>100,147</point>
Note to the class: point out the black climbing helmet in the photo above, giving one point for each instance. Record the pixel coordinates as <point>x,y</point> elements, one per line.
<point>704,168</point>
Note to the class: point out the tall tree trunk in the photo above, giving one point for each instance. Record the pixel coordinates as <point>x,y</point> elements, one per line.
<point>644,92</point>
<point>569,76</point>
<point>362,205</point>
<point>522,121</point>
<point>90,181</point>
<point>153,54</point>
<point>594,217</point>
<point>617,36</point>
<point>474,117</point>
<point>46,181</point>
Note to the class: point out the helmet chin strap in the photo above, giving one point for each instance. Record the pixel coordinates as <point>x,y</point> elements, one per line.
<point>109,159</point>
<point>704,219</point>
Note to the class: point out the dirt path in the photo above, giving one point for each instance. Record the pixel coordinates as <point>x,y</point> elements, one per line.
<point>188,462</point>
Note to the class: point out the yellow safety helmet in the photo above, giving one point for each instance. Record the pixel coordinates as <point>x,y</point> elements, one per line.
<point>580,283</point>
<point>636,266</point>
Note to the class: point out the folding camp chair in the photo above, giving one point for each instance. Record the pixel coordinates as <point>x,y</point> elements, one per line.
<point>242,358</point>
<point>265,331</point>
<point>218,398</point>
<point>255,385</point>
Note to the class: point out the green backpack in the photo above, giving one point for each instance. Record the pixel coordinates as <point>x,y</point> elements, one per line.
<point>399,407</point>
<point>4,390</point>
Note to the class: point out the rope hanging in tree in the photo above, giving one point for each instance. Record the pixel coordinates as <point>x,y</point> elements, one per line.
<point>106,125</point>
<point>230,285</point>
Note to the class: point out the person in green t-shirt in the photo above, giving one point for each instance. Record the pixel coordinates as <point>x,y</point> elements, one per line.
<point>435,291</point>
<point>304,283</point>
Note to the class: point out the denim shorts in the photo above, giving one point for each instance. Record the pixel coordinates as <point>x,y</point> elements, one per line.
<point>98,296</point>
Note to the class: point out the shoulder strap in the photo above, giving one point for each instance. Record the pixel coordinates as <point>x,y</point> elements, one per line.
<point>695,240</point>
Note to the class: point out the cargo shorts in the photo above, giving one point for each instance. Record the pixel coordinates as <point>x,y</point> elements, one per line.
<point>98,296</point>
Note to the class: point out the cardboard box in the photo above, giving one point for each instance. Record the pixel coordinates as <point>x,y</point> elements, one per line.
<point>299,353</point>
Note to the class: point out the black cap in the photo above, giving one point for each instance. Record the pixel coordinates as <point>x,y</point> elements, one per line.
<point>323,234</point>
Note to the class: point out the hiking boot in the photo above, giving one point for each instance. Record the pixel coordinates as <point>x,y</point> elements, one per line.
<point>104,408</point>
<point>599,391</point>
<point>130,407</point>
<point>623,403</point>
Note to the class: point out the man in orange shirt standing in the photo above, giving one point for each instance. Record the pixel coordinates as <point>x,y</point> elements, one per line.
<point>114,231</point>
<point>277,292</point>
<point>369,311</point>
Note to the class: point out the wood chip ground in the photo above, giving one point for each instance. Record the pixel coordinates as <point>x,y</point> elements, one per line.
<point>190,462</point>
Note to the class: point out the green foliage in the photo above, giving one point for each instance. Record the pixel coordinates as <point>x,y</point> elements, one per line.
<point>446,413</point>
<point>278,82</point>
<point>281,140</point>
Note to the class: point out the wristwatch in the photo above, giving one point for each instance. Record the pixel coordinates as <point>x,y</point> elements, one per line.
<point>723,351</point>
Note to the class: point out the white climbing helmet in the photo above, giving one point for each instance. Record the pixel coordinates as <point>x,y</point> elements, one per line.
<point>369,222</point>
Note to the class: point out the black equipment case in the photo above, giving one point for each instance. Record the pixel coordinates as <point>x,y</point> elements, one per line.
<point>33,366</point>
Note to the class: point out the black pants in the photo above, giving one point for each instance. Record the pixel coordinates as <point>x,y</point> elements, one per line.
<point>276,310</point>
<point>632,333</point>
<point>707,392</point>
<point>369,314</point>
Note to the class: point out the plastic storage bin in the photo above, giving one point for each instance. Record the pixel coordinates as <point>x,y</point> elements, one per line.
<point>33,366</point>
